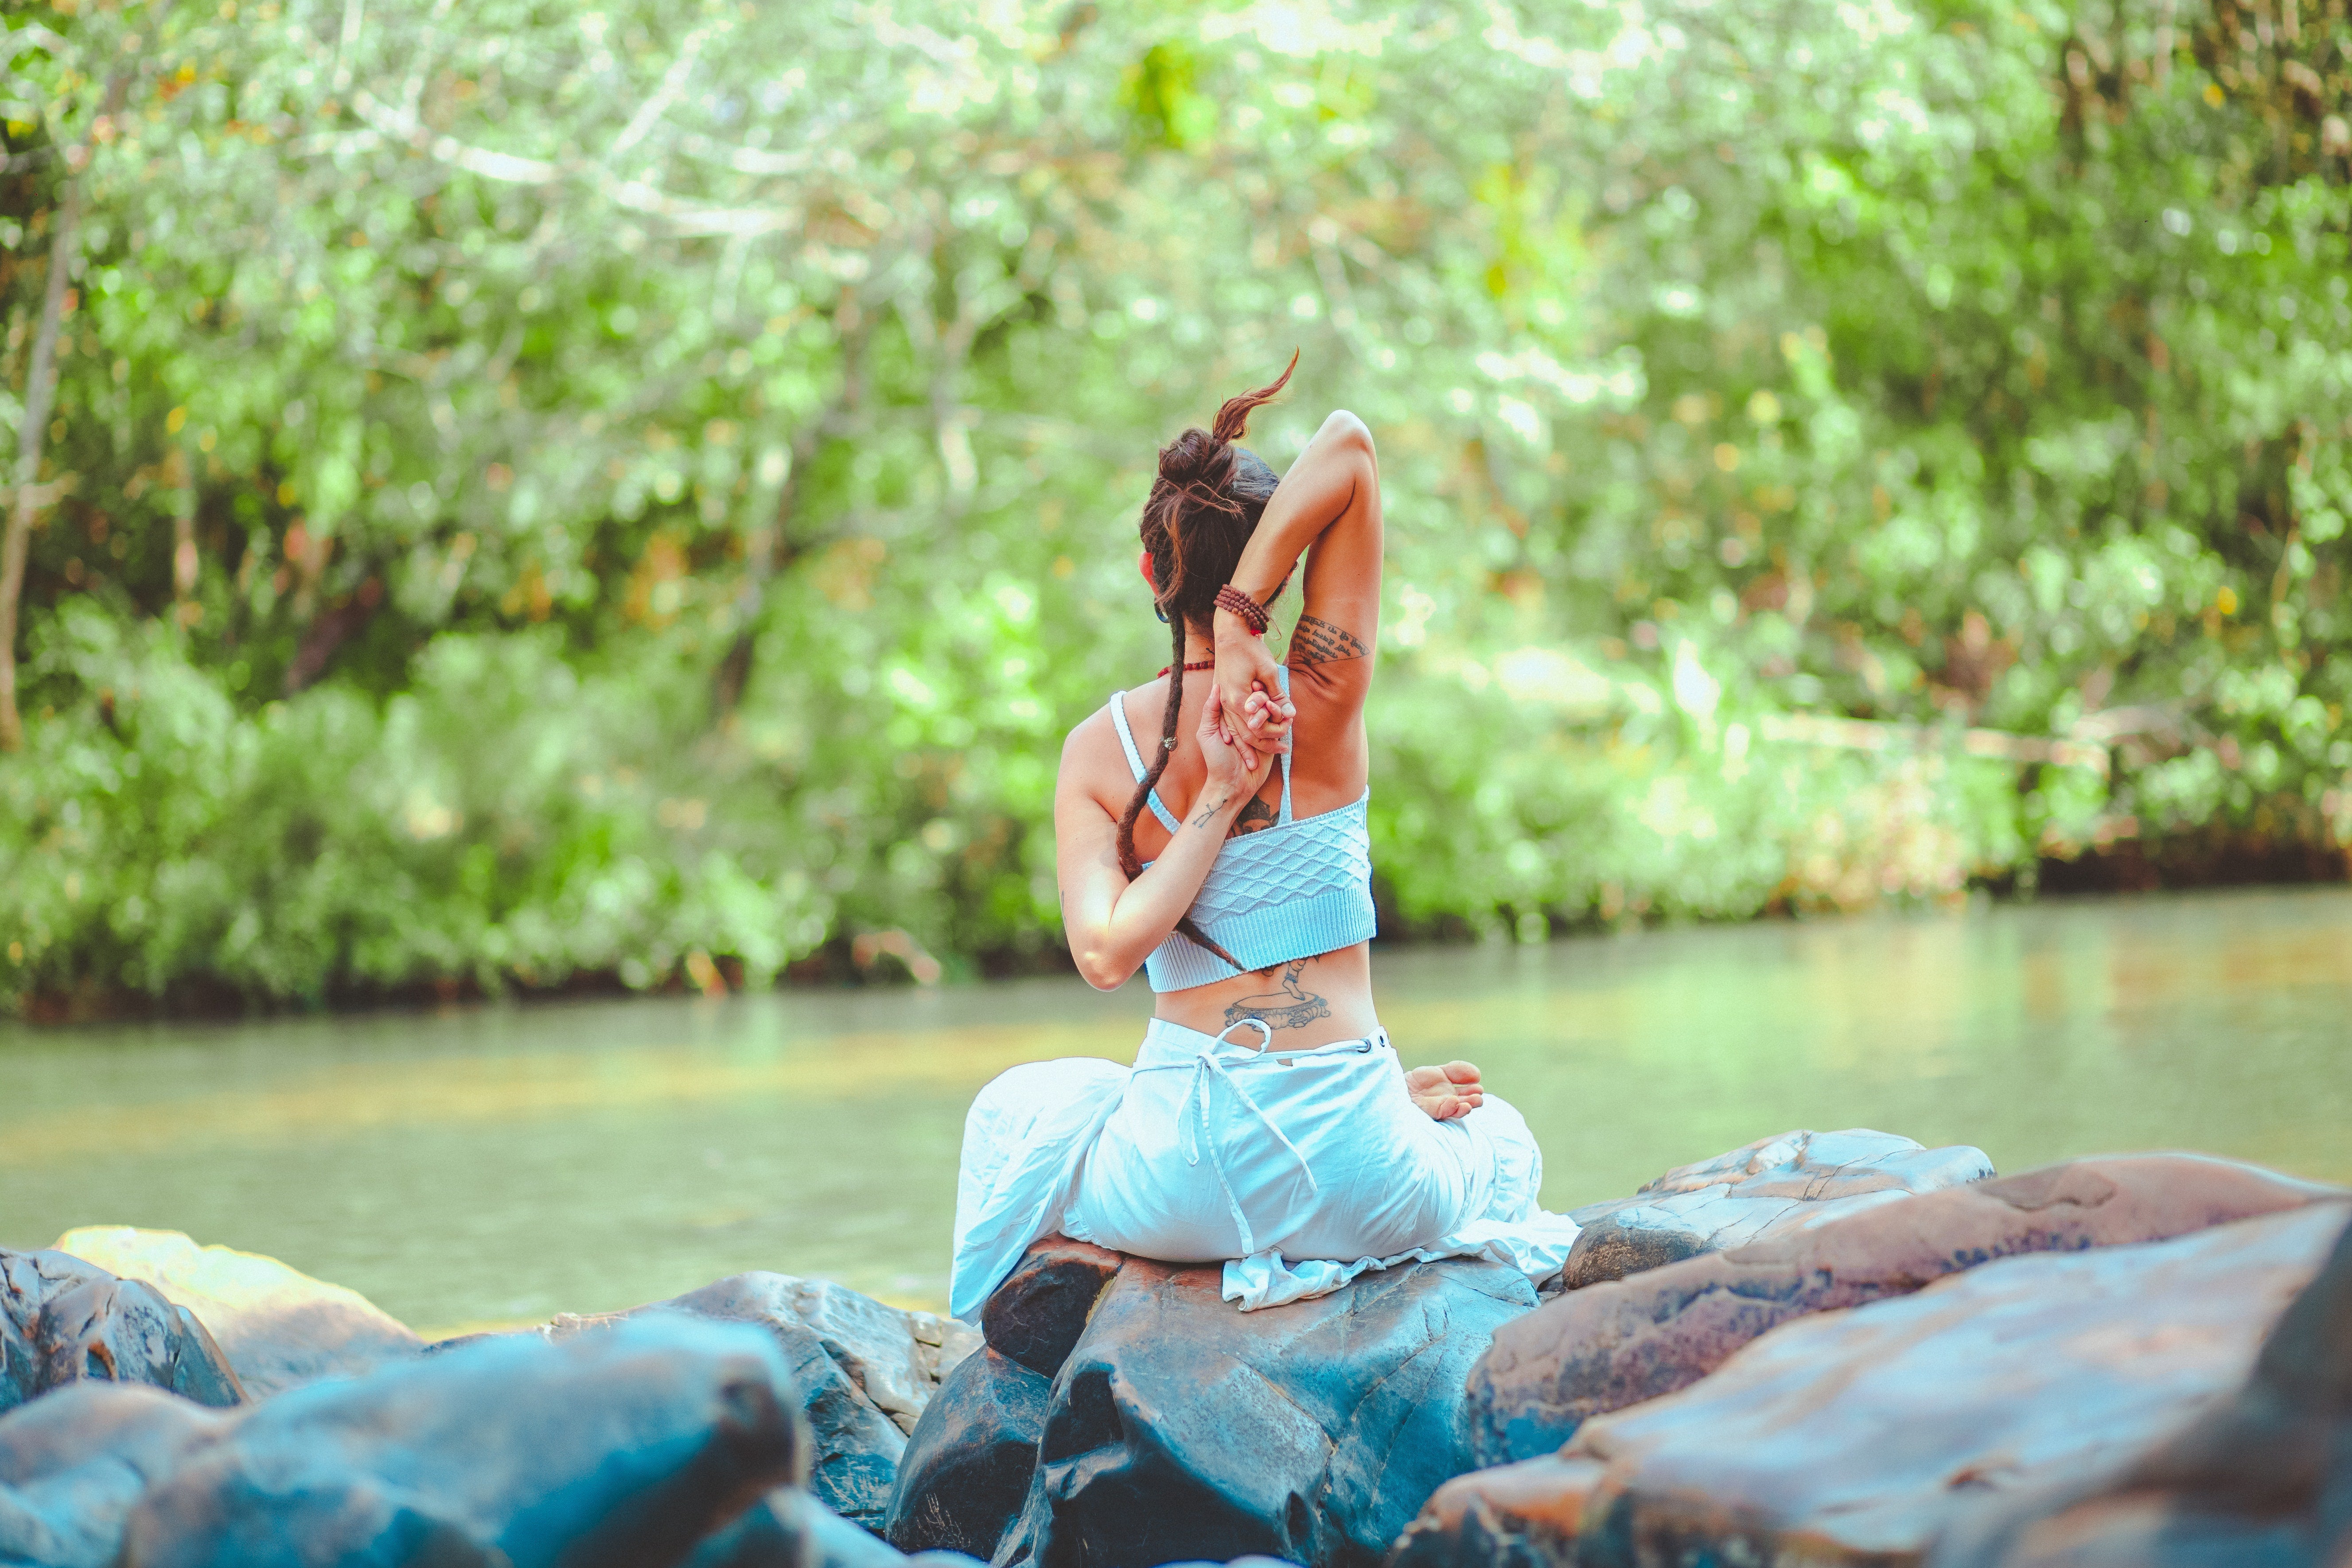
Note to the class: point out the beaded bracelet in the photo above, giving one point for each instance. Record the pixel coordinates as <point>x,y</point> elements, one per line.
<point>1232,598</point>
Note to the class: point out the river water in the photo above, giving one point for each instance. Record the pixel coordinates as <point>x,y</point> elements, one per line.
<point>501,1163</point>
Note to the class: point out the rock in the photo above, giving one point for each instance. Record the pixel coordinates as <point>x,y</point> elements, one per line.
<point>1620,1342</point>
<point>1857,1437</point>
<point>64,1320</point>
<point>1036,1315</point>
<point>864,1372</point>
<point>1791,1182</point>
<point>789,1529</point>
<point>278,1326</point>
<point>625,1448</point>
<point>966,1470</point>
<point>73,1462</point>
<point>1183,1428</point>
<point>2262,1478</point>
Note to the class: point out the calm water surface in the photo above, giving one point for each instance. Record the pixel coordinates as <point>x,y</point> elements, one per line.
<point>502,1163</point>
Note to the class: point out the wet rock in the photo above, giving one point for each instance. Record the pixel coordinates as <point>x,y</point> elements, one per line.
<point>864,1372</point>
<point>789,1529</point>
<point>73,1463</point>
<point>1036,1315</point>
<point>1792,1181</point>
<point>1182,1428</point>
<point>626,1448</point>
<point>1620,1342</point>
<point>1857,1437</point>
<point>966,1470</point>
<point>277,1325</point>
<point>64,1320</point>
<point>2262,1480</point>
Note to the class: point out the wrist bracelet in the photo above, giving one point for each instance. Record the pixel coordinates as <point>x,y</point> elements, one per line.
<point>1232,598</point>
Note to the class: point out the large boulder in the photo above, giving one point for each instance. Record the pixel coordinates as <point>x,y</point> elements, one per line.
<point>277,1325</point>
<point>966,1470</point>
<point>1792,1181</point>
<point>64,1320</point>
<point>1181,1427</point>
<point>2262,1480</point>
<point>1858,1436</point>
<point>790,1529</point>
<point>73,1462</point>
<point>864,1372</point>
<point>627,1447</point>
<point>1616,1343</point>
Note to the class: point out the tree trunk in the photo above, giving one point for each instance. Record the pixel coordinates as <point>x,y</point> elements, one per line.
<point>40,391</point>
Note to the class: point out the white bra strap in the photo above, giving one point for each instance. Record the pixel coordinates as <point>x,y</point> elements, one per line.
<point>1281,673</point>
<point>1168,818</point>
<point>1126,736</point>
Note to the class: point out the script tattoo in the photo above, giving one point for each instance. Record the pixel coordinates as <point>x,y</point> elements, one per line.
<point>1318,641</point>
<point>1291,1007</point>
<point>1255,817</point>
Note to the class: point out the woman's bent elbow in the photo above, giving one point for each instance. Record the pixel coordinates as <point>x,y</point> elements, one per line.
<point>1101,971</point>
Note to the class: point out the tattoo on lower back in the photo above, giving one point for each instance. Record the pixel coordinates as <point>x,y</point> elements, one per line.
<point>1255,817</point>
<point>1316,641</point>
<point>1292,1007</point>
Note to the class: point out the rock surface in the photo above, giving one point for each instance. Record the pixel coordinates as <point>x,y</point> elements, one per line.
<point>277,1325</point>
<point>790,1529</point>
<point>1774,1185</point>
<point>1036,1316</point>
<point>73,1462</point>
<point>64,1321</point>
<point>1858,1436</point>
<point>1182,1428</point>
<point>2262,1480</point>
<point>864,1372</point>
<point>627,1448</point>
<point>966,1470</point>
<point>1619,1343</point>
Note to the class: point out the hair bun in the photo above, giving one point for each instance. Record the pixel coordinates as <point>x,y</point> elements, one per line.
<point>1193,457</point>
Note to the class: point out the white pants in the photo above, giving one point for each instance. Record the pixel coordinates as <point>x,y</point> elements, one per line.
<point>1299,1169</point>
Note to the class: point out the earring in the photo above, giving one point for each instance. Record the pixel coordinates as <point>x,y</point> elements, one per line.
<point>1161,613</point>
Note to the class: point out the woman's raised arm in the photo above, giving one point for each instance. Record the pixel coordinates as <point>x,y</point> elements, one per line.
<point>1327,508</point>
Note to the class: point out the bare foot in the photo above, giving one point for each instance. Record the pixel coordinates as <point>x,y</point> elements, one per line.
<point>1446,1092</point>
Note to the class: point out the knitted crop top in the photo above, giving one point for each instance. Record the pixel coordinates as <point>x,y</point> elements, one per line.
<point>1298,889</point>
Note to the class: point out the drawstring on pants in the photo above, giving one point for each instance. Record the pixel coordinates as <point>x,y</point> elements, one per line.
<point>1194,1115</point>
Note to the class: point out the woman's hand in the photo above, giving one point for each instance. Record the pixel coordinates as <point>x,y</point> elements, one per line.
<point>1235,769</point>
<point>1446,1092</point>
<point>1248,691</point>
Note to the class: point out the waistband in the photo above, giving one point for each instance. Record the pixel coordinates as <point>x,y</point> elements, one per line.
<point>1170,1045</point>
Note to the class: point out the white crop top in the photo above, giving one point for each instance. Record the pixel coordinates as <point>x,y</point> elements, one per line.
<point>1299,889</point>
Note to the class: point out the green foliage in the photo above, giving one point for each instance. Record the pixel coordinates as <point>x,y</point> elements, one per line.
<point>613,489</point>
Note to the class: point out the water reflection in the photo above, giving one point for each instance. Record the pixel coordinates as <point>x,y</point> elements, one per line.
<point>503,1164</point>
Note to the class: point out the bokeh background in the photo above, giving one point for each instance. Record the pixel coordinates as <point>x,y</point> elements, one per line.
<point>543,495</point>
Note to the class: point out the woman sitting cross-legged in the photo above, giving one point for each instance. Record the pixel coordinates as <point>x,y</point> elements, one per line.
<point>1210,827</point>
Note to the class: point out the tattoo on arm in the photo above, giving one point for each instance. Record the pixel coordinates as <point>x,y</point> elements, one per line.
<point>1292,1007</point>
<point>1255,817</point>
<point>1316,641</point>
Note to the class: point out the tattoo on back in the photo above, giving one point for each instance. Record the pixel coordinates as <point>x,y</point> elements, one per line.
<point>1318,641</point>
<point>1292,1007</point>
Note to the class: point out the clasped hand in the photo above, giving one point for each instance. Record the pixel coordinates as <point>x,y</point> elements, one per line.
<point>1247,705</point>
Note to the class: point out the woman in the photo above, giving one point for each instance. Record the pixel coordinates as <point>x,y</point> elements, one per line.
<point>1210,827</point>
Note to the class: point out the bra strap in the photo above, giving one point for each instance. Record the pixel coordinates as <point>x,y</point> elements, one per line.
<point>1135,763</point>
<point>1281,673</point>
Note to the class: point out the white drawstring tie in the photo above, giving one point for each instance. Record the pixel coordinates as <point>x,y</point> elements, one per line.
<point>1194,1115</point>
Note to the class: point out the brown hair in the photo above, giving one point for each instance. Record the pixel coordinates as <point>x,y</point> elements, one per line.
<point>1203,507</point>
